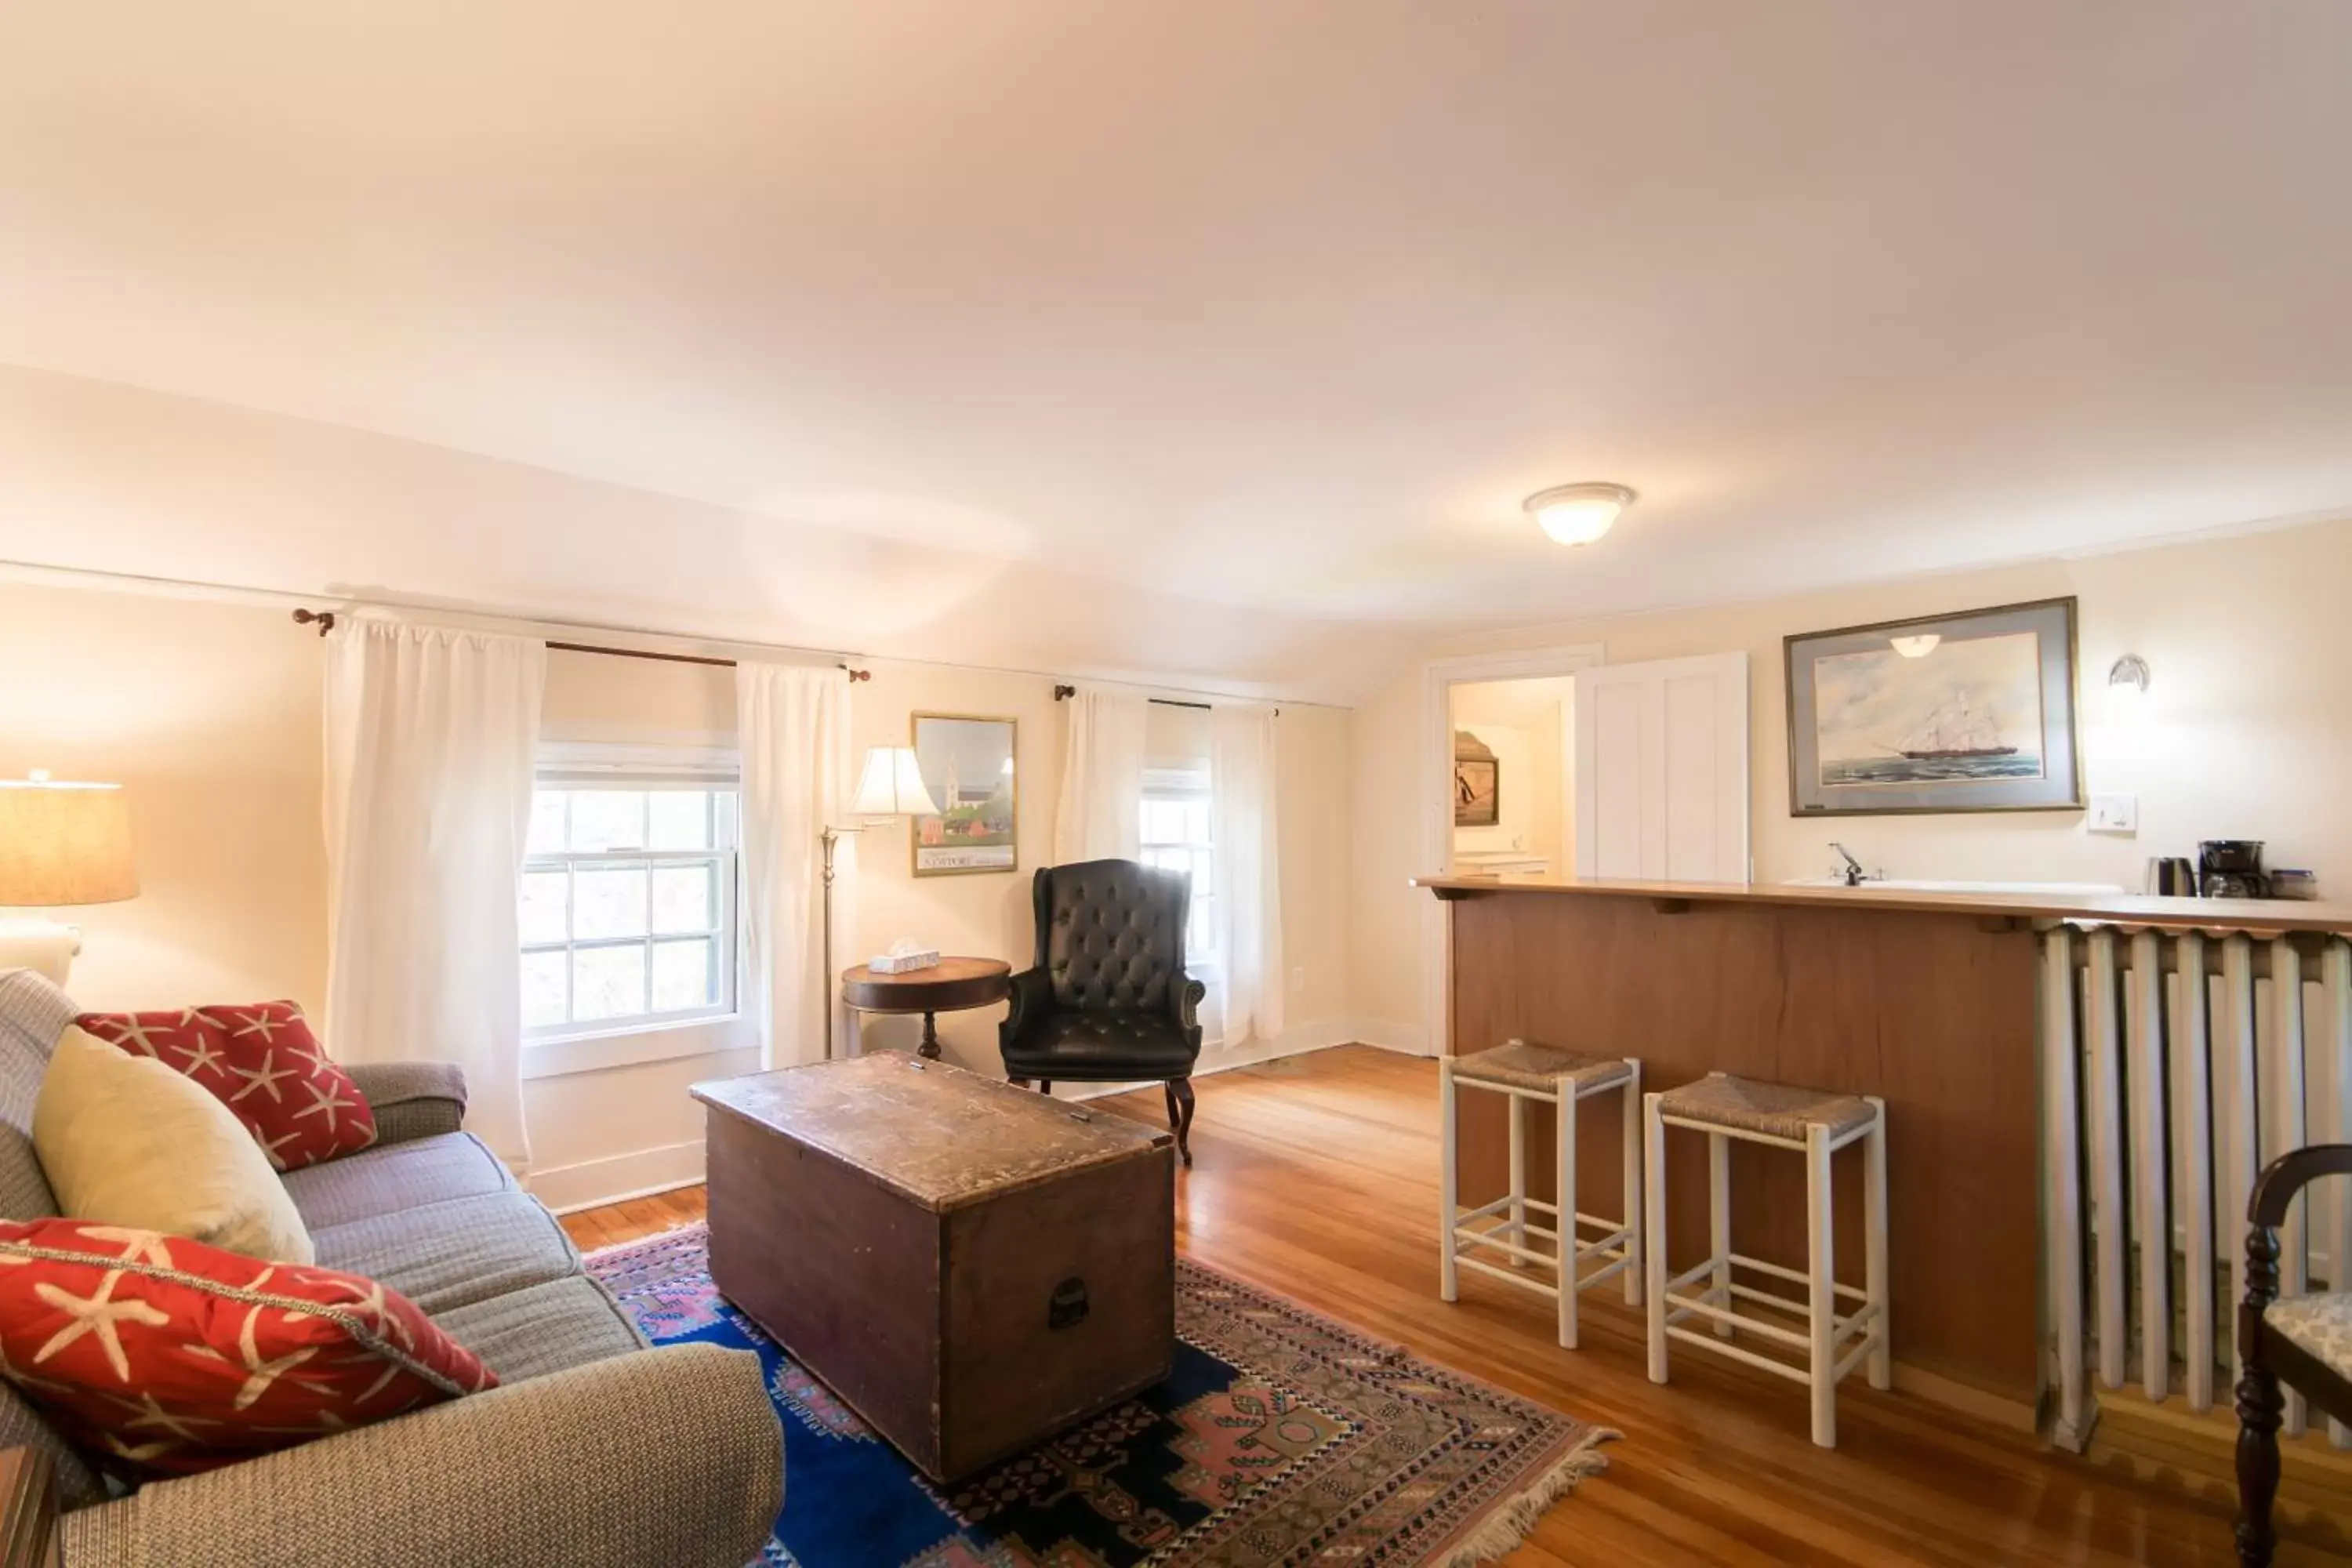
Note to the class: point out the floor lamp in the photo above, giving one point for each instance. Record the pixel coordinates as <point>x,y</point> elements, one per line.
<point>892,787</point>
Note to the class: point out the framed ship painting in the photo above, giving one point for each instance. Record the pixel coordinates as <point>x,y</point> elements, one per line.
<point>967,767</point>
<point>1969,712</point>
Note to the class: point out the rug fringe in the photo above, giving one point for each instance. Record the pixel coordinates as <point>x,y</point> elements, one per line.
<point>1501,1532</point>
<point>672,1233</point>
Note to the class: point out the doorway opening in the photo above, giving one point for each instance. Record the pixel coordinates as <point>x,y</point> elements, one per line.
<point>1440,679</point>
<point>1514,773</point>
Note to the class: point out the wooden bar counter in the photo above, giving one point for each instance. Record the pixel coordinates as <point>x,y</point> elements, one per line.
<point>1928,999</point>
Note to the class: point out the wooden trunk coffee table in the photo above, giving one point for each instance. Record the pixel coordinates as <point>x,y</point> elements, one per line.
<point>947,986</point>
<point>971,1267</point>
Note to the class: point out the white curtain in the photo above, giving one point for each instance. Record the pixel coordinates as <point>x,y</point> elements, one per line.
<point>1244,836</point>
<point>793,725</point>
<point>1102,779</point>
<point>431,735</point>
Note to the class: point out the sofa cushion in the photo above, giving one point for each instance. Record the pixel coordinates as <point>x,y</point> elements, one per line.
<point>260,1060</point>
<point>448,1254</point>
<point>32,1013</point>
<point>397,1177</point>
<point>174,1358</point>
<point>546,1327</point>
<point>128,1141</point>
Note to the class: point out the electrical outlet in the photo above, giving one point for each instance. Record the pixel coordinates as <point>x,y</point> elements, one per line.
<point>2115,814</point>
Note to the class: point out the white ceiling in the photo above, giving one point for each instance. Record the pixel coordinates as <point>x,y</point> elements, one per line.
<point>1277,305</point>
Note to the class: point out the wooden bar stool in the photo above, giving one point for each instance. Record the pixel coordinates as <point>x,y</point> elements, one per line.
<point>1526,1073</point>
<point>1817,1124</point>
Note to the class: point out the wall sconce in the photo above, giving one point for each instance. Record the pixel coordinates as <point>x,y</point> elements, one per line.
<point>2130,673</point>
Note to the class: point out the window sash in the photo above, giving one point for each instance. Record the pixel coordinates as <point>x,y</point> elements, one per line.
<point>721,859</point>
<point>1189,788</point>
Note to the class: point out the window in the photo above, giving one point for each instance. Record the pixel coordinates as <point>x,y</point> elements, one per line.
<point>1174,823</point>
<point>628,906</point>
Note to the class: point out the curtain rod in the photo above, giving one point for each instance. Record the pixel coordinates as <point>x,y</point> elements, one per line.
<point>325,621</point>
<point>89,577</point>
<point>1064,692</point>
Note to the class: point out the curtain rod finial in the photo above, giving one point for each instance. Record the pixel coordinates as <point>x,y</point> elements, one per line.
<point>326,619</point>
<point>856,675</point>
<point>1062,691</point>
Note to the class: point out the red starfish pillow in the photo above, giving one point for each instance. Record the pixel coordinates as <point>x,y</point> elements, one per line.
<point>168,1357</point>
<point>263,1063</point>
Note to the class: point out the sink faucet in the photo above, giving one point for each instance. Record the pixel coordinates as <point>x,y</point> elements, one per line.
<point>1854,876</point>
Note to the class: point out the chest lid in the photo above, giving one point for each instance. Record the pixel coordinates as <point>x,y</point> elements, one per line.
<point>934,1133</point>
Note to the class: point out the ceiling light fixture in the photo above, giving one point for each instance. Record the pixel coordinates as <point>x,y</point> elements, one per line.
<point>1577,514</point>
<point>1919,647</point>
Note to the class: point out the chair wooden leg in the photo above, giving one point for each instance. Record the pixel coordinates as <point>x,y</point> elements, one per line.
<point>1044,1086</point>
<point>1718,1208</point>
<point>2261,1408</point>
<point>1448,1198</point>
<point>1821,1294</point>
<point>1018,1083</point>
<point>1564,1195</point>
<point>1180,1100</point>
<point>1654,1230</point>
<point>1636,1221</point>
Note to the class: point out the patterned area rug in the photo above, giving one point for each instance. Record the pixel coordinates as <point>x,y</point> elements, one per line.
<point>1282,1439</point>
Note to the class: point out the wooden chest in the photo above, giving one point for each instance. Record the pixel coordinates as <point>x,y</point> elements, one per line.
<point>971,1265</point>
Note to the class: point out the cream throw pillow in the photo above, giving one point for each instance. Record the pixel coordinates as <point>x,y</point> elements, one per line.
<point>126,1140</point>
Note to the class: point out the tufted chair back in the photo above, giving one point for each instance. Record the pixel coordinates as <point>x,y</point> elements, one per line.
<point>1110,934</point>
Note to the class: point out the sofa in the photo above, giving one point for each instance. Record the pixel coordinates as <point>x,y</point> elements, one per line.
<point>595,1448</point>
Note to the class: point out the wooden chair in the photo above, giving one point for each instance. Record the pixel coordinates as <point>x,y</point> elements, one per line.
<point>2304,1341</point>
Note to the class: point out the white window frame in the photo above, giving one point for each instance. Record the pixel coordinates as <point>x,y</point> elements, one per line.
<point>1202,960</point>
<point>556,1050</point>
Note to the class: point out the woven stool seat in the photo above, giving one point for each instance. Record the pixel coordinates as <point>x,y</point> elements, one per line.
<point>1539,1068</point>
<point>1775,1109</point>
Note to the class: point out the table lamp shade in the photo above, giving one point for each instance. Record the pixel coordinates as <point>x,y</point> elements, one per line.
<point>893,785</point>
<point>64,843</point>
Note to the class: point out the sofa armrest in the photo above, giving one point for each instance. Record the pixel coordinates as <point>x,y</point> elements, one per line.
<point>412,1100</point>
<point>1029,997</point>
<point>669,1459</point>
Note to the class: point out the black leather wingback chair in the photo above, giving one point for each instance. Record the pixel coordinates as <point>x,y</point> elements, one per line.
<point>1108,1000</point>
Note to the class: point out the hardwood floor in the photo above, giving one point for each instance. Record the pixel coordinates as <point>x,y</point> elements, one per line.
<point>1315,1176</point>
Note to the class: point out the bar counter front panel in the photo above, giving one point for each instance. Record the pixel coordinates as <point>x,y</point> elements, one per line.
<point>1933,1010</point>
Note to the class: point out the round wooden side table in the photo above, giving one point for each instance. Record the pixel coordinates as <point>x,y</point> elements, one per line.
<point>948,986</point>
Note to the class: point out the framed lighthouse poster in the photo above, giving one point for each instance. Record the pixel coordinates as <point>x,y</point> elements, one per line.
<point>967,768</point>
<point>1977,712</point>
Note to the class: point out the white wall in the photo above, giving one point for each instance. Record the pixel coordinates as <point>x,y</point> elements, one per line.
<point>2246,731</point>
<point>208,712</point>
<point>208,715</point>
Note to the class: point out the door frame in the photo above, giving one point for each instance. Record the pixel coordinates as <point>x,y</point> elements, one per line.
<point>1435,833</point>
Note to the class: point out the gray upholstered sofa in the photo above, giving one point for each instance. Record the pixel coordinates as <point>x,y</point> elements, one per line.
<point>595,1448</point>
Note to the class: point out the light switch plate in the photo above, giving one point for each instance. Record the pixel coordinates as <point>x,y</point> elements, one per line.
<point>2115,814</point>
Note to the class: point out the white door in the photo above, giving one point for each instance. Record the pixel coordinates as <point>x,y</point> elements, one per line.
<point>1662,769</point>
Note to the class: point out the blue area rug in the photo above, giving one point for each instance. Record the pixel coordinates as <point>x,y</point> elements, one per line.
<point>1281,1439</point>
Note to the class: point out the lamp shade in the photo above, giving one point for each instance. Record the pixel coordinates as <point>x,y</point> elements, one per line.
<point>64,843</point>
<point>893,785</point>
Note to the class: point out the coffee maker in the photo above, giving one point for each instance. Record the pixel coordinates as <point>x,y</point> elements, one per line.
<point>2232,869</point>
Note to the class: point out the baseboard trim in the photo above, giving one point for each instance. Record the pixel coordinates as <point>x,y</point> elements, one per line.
<point>1997,1409</point>
<point>617,1178</point>
<point>1405,1039</point>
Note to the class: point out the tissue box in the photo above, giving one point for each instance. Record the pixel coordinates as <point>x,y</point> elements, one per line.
<point>900,963</point>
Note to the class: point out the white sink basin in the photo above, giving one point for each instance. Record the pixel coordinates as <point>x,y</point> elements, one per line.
<point>1900,884</point>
